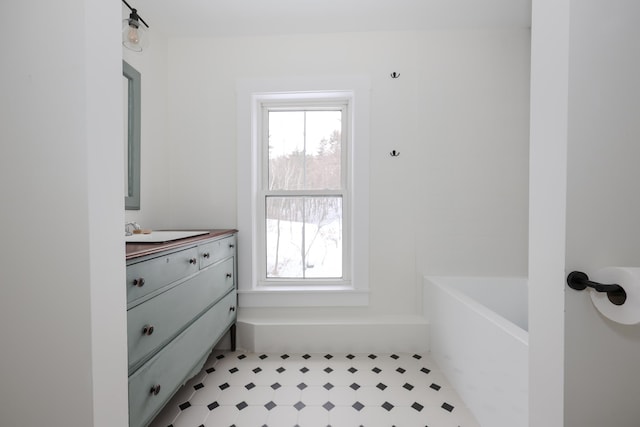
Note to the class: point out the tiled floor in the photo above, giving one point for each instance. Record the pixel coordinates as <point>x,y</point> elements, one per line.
<point>316,390</point>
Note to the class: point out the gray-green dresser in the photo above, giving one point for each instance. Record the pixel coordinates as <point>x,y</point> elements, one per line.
<point>181,300</point>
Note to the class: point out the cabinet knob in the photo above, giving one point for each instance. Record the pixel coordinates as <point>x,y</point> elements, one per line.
<point>232,308</point>
<point>192,260</point>
<point>206,255</point>
<point>138,282</point>
<point>231,245</point>
<point>155,390</point>
<point>229,275</point>
<point>147,330</point>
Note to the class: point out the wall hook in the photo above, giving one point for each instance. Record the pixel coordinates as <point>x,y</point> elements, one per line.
<point>394,153</point>
<point>395,75</point>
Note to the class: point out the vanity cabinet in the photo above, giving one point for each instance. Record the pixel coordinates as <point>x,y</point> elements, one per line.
<point>181,300</point>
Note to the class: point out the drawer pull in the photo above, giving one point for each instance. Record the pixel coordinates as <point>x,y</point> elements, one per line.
<point>232,308</point>
<point>138,282</point>
<point>231,245</point>
<point>229,275</point>
<point>206,255</point>
<point>192,260</point>
<point>147,330</point>
<point>155,390</point>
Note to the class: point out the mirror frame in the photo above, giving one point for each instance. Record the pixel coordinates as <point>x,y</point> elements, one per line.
<point>132,176</point>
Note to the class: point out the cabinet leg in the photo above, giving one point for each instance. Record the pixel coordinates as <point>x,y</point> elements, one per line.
<point>232,335</point>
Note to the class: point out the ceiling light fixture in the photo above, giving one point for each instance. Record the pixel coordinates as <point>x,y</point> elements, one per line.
<point>134,36</point>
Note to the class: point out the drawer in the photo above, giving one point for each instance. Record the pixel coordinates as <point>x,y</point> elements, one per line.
<point>150,275</point>
<point>154,322</point>
<point>212,252</point>
<point>170,368</point>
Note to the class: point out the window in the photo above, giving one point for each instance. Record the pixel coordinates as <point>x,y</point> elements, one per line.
<point>302,180</point>
<point>305,193</point>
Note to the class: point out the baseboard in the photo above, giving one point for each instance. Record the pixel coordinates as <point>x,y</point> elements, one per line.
<point>385,334</point>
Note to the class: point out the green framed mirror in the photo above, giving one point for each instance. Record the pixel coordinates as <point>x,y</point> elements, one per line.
<point>131,97</point>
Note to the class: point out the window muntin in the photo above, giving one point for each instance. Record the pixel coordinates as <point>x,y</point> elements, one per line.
<point>305,196</point>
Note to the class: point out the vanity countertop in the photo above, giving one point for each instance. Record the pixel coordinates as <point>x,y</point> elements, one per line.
<point>135,250</point>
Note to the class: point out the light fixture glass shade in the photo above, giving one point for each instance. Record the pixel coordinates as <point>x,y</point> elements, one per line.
<point>134,35</point>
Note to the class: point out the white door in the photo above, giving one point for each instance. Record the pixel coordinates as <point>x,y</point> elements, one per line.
<point>584,208</point>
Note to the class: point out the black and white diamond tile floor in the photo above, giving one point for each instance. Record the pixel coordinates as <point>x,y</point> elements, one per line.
<point>316,390</point>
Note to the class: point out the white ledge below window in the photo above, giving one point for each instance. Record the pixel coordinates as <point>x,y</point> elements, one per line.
<point>290,296</point>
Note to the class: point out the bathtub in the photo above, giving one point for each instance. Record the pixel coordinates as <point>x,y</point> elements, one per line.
<point>479,339</point>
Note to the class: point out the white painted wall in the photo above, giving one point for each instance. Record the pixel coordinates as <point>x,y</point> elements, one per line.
<point>454,202</point>
<point>62,320</point>
<point>584,209</point>
<point>603,209</point>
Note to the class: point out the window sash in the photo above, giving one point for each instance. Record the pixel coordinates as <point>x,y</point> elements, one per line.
<point>304,229</point>
<point>311,105</point>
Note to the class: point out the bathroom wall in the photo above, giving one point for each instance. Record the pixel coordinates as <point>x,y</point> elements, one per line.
<point>602,382</point>
<point>453,202</point>
<point>62,321</point>
<point>584,209</point>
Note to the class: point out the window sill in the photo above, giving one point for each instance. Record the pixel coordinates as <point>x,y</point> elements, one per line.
<point>287,296</point>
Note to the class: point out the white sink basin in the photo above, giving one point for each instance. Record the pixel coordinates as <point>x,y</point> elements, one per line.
<point>162,236</point>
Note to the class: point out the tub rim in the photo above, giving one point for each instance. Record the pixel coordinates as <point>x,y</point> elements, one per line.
<point>497,319</point>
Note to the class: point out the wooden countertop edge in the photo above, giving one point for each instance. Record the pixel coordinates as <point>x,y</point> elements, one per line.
<point>136,250</point>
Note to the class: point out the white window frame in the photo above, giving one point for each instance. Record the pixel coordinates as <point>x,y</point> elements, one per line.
<point>252,95</point>
<point>313,104</point>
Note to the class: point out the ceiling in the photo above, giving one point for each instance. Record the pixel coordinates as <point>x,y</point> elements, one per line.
<point>220,18</point>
